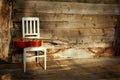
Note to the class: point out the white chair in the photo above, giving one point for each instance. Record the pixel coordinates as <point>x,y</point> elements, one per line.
<point>31,29</point>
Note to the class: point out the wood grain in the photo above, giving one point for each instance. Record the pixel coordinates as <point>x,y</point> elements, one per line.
<point>66,7</point>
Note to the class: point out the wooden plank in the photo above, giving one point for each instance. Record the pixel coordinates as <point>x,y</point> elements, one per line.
<point>85,1</point>
<point>89,39</point>
<point>5,20</point>
<point>75,32</point>
<point>109,32</point>
<point>74,25</point>
<point>75,37</point>
<point>58,21</point>
<point>0,5</point>
<point>66,7</point>
<point>70,25</point>
<point>95,44</point>
<point>65,17</point>
<point>79,35</point>
<point>78,32</point>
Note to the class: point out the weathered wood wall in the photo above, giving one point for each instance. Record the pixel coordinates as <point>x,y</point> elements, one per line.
<point>5,21</point>
<point>85,24</point>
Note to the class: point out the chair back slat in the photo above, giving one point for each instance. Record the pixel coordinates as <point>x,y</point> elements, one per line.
<point>34,26</point>
<point>30,27</point>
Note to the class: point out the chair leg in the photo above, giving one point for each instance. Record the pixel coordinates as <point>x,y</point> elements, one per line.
<point>38,59</point>
<point>45,59</point>
<point>24,60</point>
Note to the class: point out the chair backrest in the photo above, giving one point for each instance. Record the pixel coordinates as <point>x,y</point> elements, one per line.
<point>30,27</point>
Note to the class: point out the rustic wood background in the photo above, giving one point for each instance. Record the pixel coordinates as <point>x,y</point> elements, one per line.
<point>5,25</point>
<point>83,24</point>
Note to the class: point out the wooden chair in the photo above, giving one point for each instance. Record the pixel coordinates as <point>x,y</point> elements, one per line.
<point>31,29</point>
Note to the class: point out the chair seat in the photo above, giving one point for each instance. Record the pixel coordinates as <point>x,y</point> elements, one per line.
<point>34,48</point>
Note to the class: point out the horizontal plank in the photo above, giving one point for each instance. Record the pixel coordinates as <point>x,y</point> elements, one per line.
<point>89,39</point>
<point>72,25</point>
<point>65,17</point>
<point>75,37</point>
<point>73,32</point>
<point>66,7</point>
<point>109,32</point>
<point>94,44</point>
<point>75,25</point>
<point>85,1</point>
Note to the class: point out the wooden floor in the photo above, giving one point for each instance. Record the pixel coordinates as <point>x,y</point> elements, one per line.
<point>70,69</point>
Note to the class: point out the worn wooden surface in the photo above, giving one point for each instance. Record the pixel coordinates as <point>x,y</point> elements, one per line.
<point>66,7</point>
<point>5,20</point>
<point>79,24</point>
<point>69,69</point>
